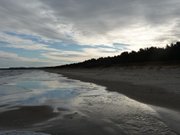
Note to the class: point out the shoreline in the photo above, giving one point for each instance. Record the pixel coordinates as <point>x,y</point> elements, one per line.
<point>95,106</point>
<point>145,84</point>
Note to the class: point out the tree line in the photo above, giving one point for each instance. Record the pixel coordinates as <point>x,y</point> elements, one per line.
<point>152,55</point>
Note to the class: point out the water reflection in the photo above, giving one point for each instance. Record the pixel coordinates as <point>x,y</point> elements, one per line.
<point>29,90</point>
<point>75,107</point>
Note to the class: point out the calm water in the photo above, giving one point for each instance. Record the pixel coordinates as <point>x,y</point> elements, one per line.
<point>75,107</point>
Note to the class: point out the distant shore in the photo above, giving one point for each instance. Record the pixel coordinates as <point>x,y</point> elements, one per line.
<point>155,85</point>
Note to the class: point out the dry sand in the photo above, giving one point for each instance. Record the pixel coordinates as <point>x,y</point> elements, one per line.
<point>154,85</point>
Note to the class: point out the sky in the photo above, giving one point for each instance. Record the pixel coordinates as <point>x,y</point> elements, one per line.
<point>56,32</point>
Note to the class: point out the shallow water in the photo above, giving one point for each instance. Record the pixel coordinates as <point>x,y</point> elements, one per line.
<point>38,101</point>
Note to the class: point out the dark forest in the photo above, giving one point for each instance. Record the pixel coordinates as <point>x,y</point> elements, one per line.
<point>153,55</point>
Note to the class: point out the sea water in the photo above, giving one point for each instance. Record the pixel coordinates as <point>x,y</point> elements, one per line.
<point>80,108</point>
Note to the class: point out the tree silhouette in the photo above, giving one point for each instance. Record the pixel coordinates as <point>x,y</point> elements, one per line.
<point>169,54</point>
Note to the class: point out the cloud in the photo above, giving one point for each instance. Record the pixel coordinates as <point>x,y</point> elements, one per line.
<point>75,30</point>
<point>92,22</point>
<point>104,21</point>
<point>51,55</point>
<point>9,59</point>
<point>86,53</point>
<point>13,41</point>
<point>30,17</point>
<point>7,55</point>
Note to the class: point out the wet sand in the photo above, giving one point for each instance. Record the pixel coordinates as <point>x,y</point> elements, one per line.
<point>38,102</point>
<point>25,116</point>
<point>157,86</point>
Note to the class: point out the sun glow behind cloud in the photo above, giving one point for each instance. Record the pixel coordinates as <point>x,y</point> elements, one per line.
<point>43,32</point>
